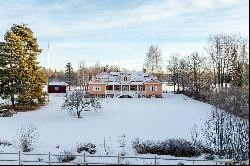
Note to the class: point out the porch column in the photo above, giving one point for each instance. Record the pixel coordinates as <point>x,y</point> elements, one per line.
<point>129,88</point>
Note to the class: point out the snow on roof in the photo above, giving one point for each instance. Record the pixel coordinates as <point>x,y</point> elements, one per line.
<point>151,79</point>
<point>113,83</point>
<point>136,83</point>
<point>58,83</point>
<point>114,78</point>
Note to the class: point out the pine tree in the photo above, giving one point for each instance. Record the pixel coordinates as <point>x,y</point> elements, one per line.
<point>33,78</point>
<point>69,74</point>
<point>11,54</point>
<point>19,53</point>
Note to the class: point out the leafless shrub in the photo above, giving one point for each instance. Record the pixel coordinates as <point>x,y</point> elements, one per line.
<point>174,147</point>
<point>27,137</point>
<point>234,101</point>
<point>227,135</point>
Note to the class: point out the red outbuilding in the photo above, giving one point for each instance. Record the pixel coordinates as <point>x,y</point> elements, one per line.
<point>57,87</point>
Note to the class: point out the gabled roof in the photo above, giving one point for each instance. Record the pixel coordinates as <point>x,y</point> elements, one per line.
<point>97,82</point>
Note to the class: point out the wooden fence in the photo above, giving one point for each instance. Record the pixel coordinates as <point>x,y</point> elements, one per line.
<point>155,160</point>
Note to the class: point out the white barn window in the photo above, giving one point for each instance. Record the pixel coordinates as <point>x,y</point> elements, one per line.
<point>56,88</point>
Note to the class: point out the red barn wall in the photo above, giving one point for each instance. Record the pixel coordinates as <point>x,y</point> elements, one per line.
<point>52,89</point>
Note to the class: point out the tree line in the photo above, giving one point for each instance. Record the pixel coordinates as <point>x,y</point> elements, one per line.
<point>202,76</point>
<point>79,76</point>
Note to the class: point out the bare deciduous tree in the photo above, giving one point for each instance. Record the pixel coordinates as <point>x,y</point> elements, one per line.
<point>228,54</point>
<point>173,68</point>
<point>78,101</point>
<point>153,61</point>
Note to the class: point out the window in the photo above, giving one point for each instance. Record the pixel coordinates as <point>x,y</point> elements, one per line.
<point>125,88</point>
<point>56,88</point>
<point>96,88</point>
<point>133,88</point>
<point>141,88</point>
<point>153,88</point>
<point>125,78</point>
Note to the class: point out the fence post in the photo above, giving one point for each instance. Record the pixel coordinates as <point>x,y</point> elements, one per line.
<point>193,161</point>
<point>19,158</point>
<point>49,158</point>
<point>118,159</point>
<point>155,161</point>
<point>84,157</point>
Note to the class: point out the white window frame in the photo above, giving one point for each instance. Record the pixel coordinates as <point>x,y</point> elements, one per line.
<point>153,88</point>
<point>140,88</point>
<point>97,88</point>
<point>56,88</point>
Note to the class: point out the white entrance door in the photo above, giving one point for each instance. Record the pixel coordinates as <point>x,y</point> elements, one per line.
<point>125,88</point>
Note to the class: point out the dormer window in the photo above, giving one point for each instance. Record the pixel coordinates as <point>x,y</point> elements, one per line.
<point>125,79</point>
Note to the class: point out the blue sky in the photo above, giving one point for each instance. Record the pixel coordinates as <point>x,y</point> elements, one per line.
<point>120,31</point>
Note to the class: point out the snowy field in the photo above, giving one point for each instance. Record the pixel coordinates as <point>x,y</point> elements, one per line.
<point>146,118</point>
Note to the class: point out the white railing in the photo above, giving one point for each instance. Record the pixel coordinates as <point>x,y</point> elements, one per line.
<point>130,93</point>
<point>50,159</point>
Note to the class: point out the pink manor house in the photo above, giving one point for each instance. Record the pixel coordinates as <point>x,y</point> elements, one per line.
<point>125,84</point>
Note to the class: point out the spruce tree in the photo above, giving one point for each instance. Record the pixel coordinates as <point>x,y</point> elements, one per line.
<point>69,74</point>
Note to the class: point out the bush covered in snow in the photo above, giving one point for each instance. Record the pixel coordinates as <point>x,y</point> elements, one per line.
<point>66,156</point>
<point>173,147</point>
<point>27,137</point>
<point>5,143</point>
<point>6,113</point>
<point>88,147</point>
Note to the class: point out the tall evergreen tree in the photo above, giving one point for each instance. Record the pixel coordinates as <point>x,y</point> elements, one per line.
<point>33,78</point>
<point>21,46</point>
<point>11,54</point>
<point>69,74</point>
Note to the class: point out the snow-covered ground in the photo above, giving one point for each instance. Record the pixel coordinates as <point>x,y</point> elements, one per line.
<point>146,118</point>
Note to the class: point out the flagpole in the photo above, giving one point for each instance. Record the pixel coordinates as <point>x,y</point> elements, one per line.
<point>48,71</point>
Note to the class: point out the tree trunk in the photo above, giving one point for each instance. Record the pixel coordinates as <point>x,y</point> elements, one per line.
<point>78,114</point>
<point>178,83</point>
<point>182,80</point>
<point>13,101</point>
<point>223,74</point>
<point>219,75</point>
<point>215,77</point>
